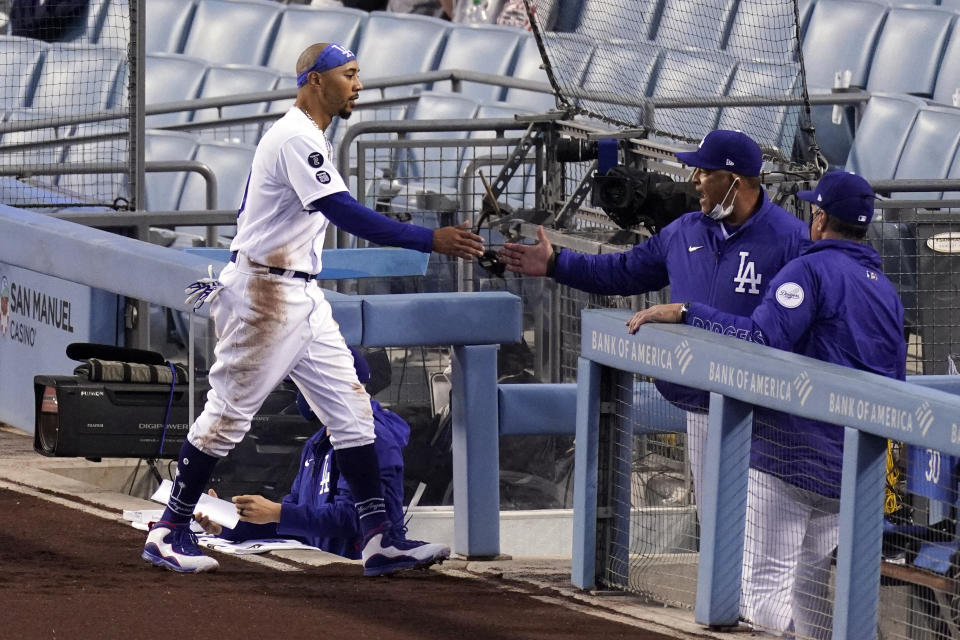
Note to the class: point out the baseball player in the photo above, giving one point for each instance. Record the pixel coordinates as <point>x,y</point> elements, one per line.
<point>272,320</point>
<point>319,509</point>
<point>724,255</point>
<point>832,303</point>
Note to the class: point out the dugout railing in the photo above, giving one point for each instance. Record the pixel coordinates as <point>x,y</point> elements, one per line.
<point>925,416</point>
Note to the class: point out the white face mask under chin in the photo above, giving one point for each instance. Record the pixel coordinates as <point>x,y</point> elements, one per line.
<point>719,212</point>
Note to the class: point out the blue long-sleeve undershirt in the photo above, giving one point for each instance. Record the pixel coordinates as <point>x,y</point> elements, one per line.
<point>343,210</point>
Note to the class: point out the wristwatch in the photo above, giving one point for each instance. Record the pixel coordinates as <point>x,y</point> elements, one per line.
<point>684,308</point>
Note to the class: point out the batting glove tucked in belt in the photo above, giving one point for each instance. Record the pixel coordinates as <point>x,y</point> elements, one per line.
<point>203,290</point>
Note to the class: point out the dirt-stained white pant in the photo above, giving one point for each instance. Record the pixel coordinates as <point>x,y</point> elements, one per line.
<point>270,327</point>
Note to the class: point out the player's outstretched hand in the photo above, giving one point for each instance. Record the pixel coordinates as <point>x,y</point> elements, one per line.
<point>528,259</point>
<point>669,313</point>
<point>203,290</point>
<point>257,509</point>
<point>458,241</point>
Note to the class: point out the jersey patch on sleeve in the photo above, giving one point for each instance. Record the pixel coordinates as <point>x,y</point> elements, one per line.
<point>790,295</point>
<point>323,177</point>
<point>315,159</point>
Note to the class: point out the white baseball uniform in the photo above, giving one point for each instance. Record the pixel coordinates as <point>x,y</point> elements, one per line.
<point>273,325</point>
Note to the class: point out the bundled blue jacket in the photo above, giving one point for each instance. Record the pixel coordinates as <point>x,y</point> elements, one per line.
<point>835,304</point>
<point>700,263</point>
<point>319,510</point>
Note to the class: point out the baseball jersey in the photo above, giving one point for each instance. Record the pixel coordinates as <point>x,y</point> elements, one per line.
<point>292,168</point>
<point>700,263</point>
<point>319,510</point>
<point>835,304</point>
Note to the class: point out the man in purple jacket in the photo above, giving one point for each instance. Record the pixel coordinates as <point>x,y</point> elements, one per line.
<point>319,509</point>
<point>723,255</point>
<point>835,304</point>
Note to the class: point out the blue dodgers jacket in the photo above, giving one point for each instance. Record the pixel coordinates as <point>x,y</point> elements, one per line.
<point>325,518</point>
<point>693,256</point>
<point>835,304</point>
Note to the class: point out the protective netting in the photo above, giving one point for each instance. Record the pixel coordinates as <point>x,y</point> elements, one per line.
<point>680,68</point>
<point>65,66</point>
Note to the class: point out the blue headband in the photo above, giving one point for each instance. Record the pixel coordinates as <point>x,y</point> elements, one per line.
<point>332,56</point>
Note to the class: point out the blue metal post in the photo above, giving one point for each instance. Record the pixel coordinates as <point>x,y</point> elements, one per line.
<point>476,454</point>
<point>723,500</point>
<point>584,557</point>
<point>861,533</point>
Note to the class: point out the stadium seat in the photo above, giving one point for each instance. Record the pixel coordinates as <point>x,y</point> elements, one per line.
<point>112,28</point>
<point>689,74</point>
<point>232,31</point>
<point>569,54</point>
<point>22,60</point>
<point>81,78</point>
<point>396,44</point>
<point>953,5</point>
<point>882,134</point>
<point>775,125</point>
<point>601,20</point>
<point>948,76</point>
<point>235,79</point>
<point>704,24</point>
<point>301,27</point>
<point>481,48</point>
<point>101,188</point>
<point>289,81</point>
<point>766,32</point>
<point>162,189</point>
<point>37,155</point>
<point>909,50</point>
<point>230,163</point>
<point>517,193</point>
<point>627,67</point>
<point>930,148</point>
<point>160,68</point>
<point>841,35</point>
<point>168,22</point>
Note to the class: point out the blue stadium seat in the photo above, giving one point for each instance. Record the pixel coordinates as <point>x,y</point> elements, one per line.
<point>168,22</point>
<point>234,79</point>
<point>22,60</point>
<point>948,77</point>
<point>603,20</point>
<point>953,174</point>
<point>882,134</point>
<point>841,35</point>
<point>909,50</point>
<point>289,81</point>
<point>686,74</point>
<point>626,66</point>
<point>765,31</point>
<point>232,31</point>
<point>230,163</point>
<point>301,27</point>
<point>162,190</point>
<point>112,28</point>
<point>481,48</point>
<point>160,68</point>
<point>704,24</point>
<point>104,188</point>
<point>775,125</point>
<point>529,66</point>
<point>396,44</point>
<point>37,155</point>
<point>930,148</point>
<point>81,78</point>
<point>953,5</point>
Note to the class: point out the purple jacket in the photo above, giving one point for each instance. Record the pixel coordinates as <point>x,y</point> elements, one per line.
<point>700,264</point>
<point>832,303</point>
<point>319,509</point>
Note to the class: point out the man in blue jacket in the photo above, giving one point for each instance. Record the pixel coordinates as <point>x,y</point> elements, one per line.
<point>835,304</point>
<point>723,255</point>
<point>319,509</point>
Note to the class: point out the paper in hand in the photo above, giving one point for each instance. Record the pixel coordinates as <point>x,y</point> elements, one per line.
<point>222,512</point>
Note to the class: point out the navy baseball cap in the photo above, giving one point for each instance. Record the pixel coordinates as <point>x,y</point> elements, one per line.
<point>843,195</point>
<point>732,151</point>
